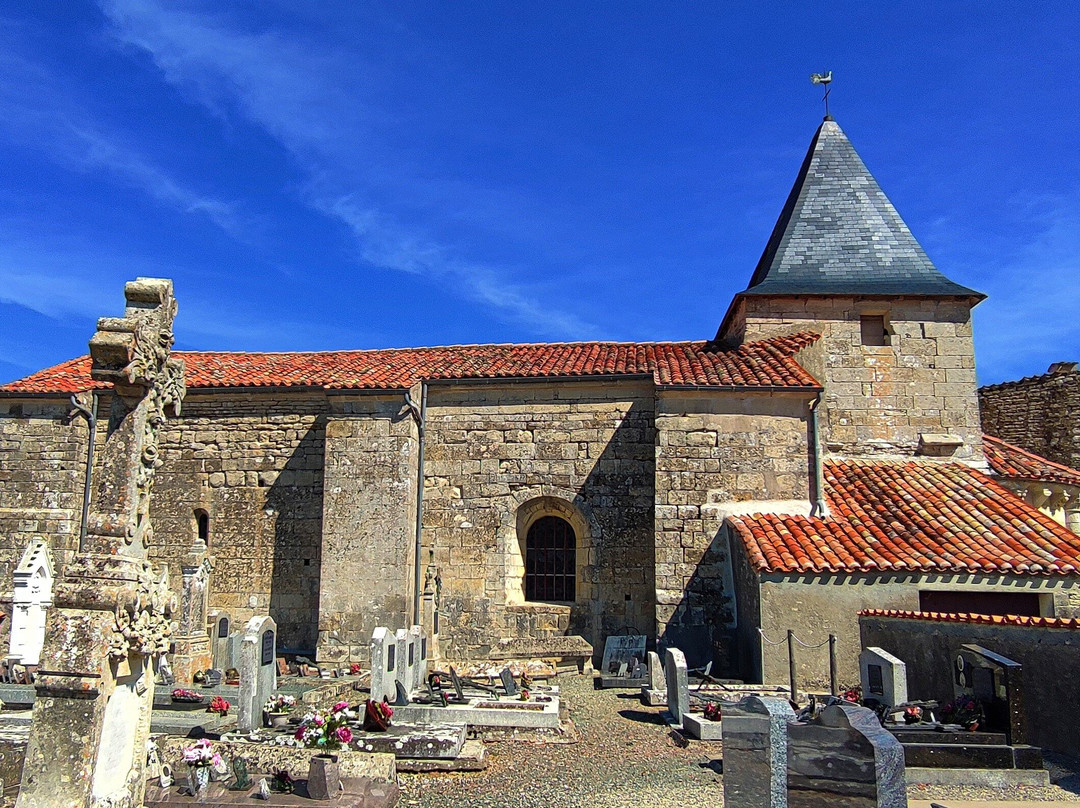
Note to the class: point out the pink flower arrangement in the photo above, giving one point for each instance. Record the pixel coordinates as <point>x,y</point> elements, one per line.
<point>326,730</point>
<point>201,754</point>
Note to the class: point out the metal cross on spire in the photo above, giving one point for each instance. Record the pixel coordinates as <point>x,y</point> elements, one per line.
<point>826,79</point>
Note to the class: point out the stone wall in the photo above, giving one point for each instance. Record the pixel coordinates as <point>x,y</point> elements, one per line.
<point>816,605</point>
<point>42,474</point>
<point>500,456</point>
<point>1039,413</point>
<point>253,461</point>
<point>879,399</point>
<point>1048,655</point>
<point>712,451</point>
<point>369,519</point>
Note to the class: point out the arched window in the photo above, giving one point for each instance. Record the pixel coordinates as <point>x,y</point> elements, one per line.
<point>550,560</point>
<point>202,525</point>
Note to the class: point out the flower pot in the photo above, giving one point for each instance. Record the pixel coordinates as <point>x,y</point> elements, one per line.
<point>275,719</point>
<point>198,779</point>
<point>324,780</point>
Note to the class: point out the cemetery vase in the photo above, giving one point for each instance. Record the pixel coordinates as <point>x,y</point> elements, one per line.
<point>277,720</point>
<point>198,779</point>
<point>324,779</point>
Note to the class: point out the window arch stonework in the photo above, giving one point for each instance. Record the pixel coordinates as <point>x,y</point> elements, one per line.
<point>530,514</point>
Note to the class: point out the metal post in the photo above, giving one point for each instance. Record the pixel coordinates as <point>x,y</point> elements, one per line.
<point>832,665</point>
<point>791,664</point>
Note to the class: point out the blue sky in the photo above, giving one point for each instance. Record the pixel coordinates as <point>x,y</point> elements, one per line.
<point>351,175</point>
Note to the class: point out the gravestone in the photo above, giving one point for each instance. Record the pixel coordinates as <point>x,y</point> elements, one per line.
<point>383,662</point>
<point>192,646</point>
<point>403,671</point>
<point>884,677</point>
<point>844,757</point>
<point>654,692</point>
<point>997,684</point>
<point>418,642</point>
<point>113,622</point>
<point>678,685</point>
<point>30,603</point>
<point>258,671</point>
<point>622,663</point>
<point>756,752</point>
<point>506,676</point>
<point>220,627</point>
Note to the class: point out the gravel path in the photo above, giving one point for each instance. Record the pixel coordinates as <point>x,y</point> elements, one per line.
<point>625,758</point>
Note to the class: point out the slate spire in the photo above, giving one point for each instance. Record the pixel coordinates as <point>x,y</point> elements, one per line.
<point>839,234</point>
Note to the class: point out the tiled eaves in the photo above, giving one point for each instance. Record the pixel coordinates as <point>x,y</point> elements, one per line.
<point>1007,460</point>
<point>978,619</point>
<point>765,364</point>
<point>914,515</point>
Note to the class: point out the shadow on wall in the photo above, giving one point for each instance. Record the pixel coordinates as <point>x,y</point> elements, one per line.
<point>621,569</point>
<point>296,498</point>
<point>703,626</point>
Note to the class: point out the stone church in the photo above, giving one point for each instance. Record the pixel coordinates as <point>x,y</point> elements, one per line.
<point>702,493</point>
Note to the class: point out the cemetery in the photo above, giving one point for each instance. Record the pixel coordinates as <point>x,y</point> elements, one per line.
<point>408,582</point>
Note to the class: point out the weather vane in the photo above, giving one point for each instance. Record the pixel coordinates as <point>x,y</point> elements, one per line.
<point>826,79</point>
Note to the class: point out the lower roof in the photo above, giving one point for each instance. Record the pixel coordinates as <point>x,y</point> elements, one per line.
<point>979,619</point>
<point>1012,462</point>
<point>763,364</point>
<point>911,515</point>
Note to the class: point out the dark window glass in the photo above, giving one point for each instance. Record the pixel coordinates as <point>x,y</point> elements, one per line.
<point>550,560</point>
<point>202,522</point>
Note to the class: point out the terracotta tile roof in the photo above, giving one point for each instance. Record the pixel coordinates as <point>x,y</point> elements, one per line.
<point>892,515</point>
<point>767,363</point>
<point>981,619</point>
<point>1012,461</point>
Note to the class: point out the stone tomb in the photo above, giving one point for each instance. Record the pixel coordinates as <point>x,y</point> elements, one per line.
<point>678,685</point>
<point>654,693</point>
<point>30,603</point>
<point>756,752</point>
<point>883,677</point>
<point>624,661</point>
<point>258,671</point>
<point>997,684</point>
<point>219,627</point>
<point>844,757</point>
<point>383,664</point>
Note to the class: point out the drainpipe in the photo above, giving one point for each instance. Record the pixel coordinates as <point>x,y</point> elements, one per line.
<point>91,420</point>
<point>419,415</point>
<point>818,505</point>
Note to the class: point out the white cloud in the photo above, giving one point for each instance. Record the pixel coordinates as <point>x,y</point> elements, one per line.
<point>308,98</point>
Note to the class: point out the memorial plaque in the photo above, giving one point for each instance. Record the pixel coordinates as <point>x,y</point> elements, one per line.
<point>223,628</point>
<point>268,648</point>
<point>875,679</point>
<point>391,652</point>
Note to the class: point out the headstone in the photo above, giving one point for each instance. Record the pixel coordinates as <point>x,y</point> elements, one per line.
<point>997,684</point>
<point>884,677</point>
<point>656,672</point>
<point>213,677</point>
<point>418,643</point>
<point>383,653</point>
<point>756,752</point>
<point>220,627</point>
<point>192,646</point>
<point>455,680</point>
<point>30,603</point>
<point>622,650</point>
<point>506,676</point>
<point>232,650</point>
<point>843,757</point>
<point>403,671</point>
<point>87,743</point>
<point>258,671</point>
<point>678,685</point>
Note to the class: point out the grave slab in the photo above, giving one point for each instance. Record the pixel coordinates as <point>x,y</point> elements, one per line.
<point>700,727</point>
<point>473,758</point>
<point>883,676</point>
<point>475,714</point>
<point>357,793</point>
<point>414,740</point>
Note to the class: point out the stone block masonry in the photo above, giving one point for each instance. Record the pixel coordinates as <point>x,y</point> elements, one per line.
<point>1038,413</point>
<point>500,457</point>
<point>253,463</point>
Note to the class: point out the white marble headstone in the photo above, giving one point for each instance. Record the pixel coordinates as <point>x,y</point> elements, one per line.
<point>678,684</point>
<point>419,668</point>
<point>258,671</point>
<point>656,672</point>
<point>884,677</point>
<point>383,663</point>
<point>31,600</point>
